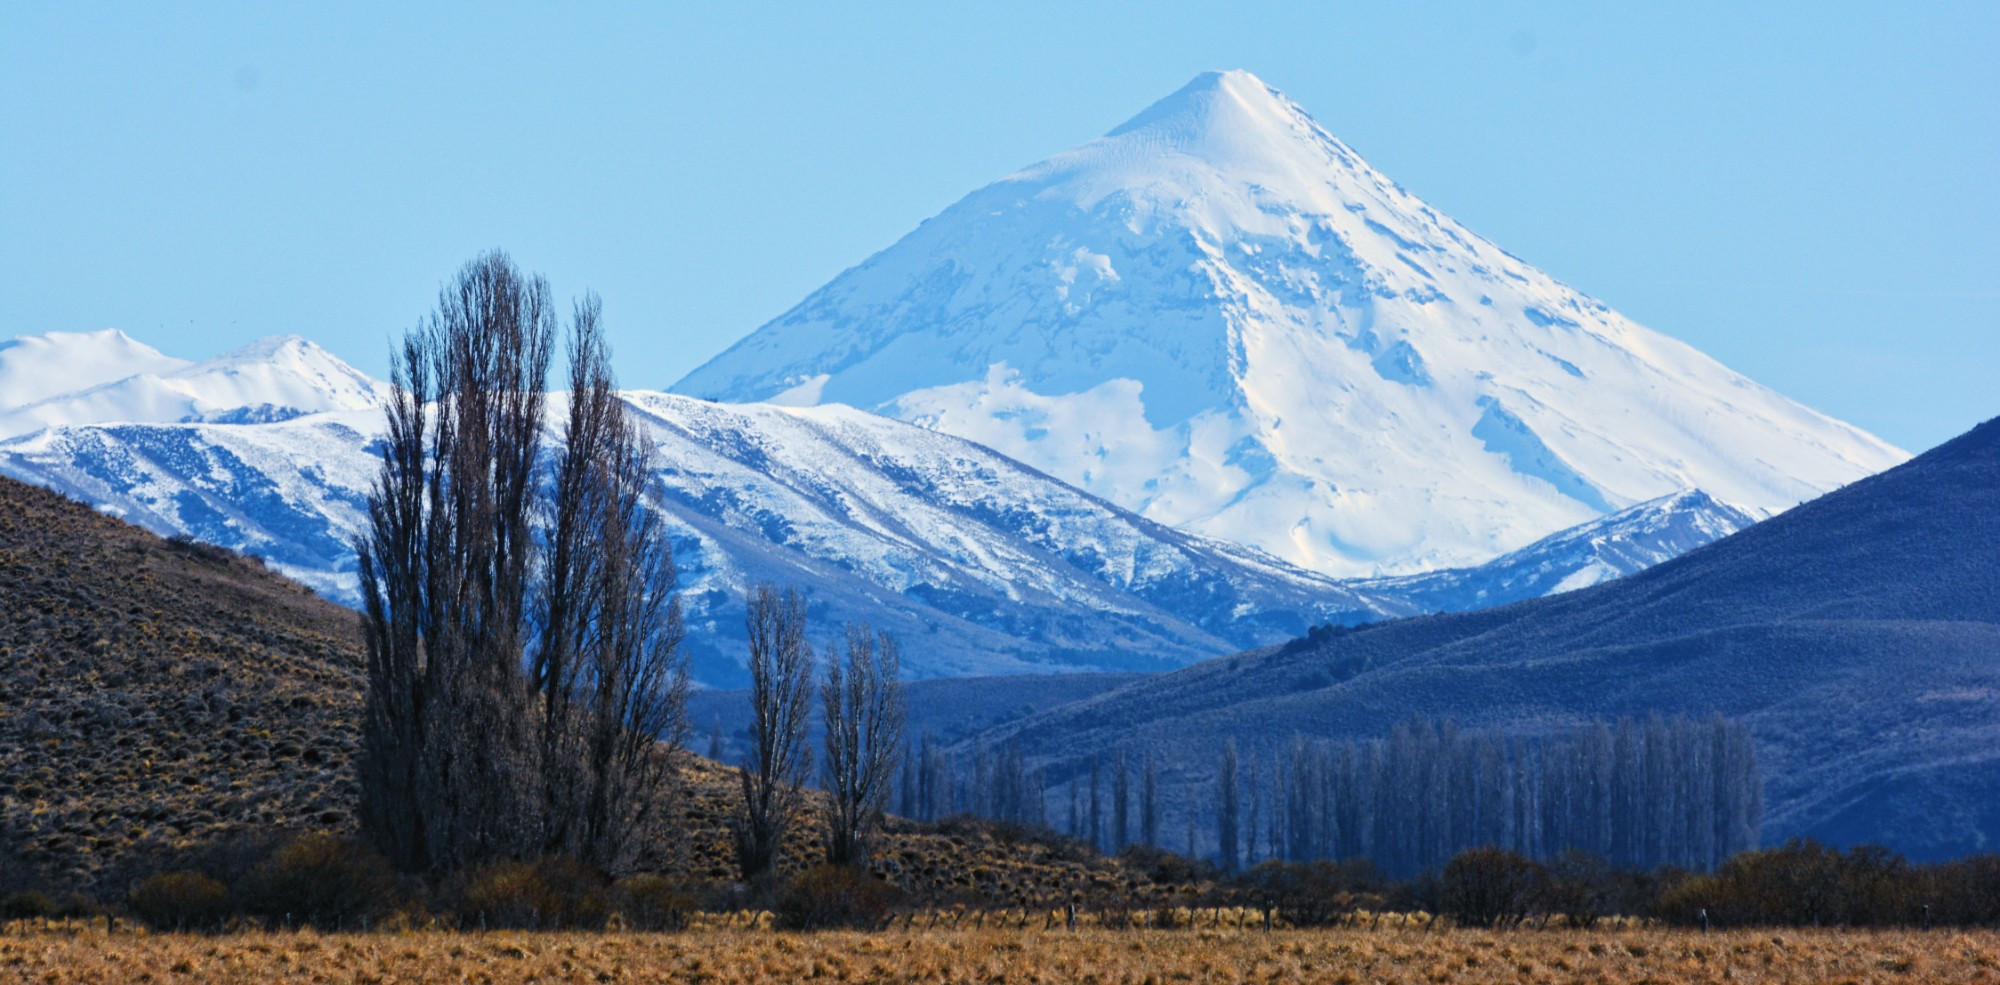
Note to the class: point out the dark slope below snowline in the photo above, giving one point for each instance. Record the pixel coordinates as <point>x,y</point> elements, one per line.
<point>1858,635</point>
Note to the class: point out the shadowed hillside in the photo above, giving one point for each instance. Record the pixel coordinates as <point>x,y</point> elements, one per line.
<point>163,697</point>
<point>160,693</point>
<point>1857,635</point>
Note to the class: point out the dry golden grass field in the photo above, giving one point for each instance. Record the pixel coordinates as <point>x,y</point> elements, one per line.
<point>720,956</point>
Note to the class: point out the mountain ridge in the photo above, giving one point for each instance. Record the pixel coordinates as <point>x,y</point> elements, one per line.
<point>981,564</point>
<point>269,379</point>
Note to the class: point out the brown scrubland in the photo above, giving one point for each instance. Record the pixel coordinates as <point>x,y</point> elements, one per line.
<point>89,954</point>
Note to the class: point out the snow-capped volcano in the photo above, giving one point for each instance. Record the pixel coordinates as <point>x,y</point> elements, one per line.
<point>1222,318</point>
<point>110,378</point>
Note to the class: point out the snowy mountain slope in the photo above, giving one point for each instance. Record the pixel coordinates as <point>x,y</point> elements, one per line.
<point>270,379</point>
<point>292,492</point>
<point>981,565</point>
<point>36,367</point>
<point>1220,317</point>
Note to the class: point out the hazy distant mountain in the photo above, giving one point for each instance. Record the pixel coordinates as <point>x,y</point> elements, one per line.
<point>1858,635</point>
<point>1219,317</point>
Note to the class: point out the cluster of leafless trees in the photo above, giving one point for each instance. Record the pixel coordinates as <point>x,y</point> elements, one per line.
<point>526,689</point>
<point>527,693</point>
<point>862,707</point>
<point>991,783</point>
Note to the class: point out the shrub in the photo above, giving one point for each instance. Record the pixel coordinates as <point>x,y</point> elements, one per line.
<point>200,550</point>
<point>1965,892</point>
<point>1802,883</point>
<point>1580,887</point>
<point>653,902</point>
<point>1310,894</point>
<point>1483,887</point>
<point>830,896</point>
<point>321,880</point>
<point>547,894</point>
<point>181,899</point>
<point>29,906</point>
<point>1165,867</point>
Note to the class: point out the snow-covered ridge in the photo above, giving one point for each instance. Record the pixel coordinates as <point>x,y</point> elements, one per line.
<point>113,379</point>
<point>1220,317</point>
<point>34,368</point>
<point>981,565</point>
<point>1622,543</point>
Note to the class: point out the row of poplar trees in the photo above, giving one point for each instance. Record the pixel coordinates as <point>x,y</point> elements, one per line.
<point>523,635</point>
<point>526,685</point>
<point>1640,793</point>
<point>1683,792</point>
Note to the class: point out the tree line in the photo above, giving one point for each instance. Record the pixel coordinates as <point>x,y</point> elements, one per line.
<point>1675,791</point>
<point>1639,793</point>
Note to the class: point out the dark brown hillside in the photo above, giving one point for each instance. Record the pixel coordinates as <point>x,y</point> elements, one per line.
<point>162,696</point>
<point>159,694</point>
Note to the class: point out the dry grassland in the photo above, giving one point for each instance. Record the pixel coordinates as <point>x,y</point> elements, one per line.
<point>92,956</point>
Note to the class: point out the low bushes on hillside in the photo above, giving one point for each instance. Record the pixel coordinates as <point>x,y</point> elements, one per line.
<point>835,896</point>
<point>180,900</point>
<point>1167,868</point>
<point>321,880</point>
<point>549,894</point>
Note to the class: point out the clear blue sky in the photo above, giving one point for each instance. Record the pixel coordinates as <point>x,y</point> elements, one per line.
<point>1809,192</point>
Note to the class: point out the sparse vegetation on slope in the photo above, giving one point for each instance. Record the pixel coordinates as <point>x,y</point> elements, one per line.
<point>159,694</point>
